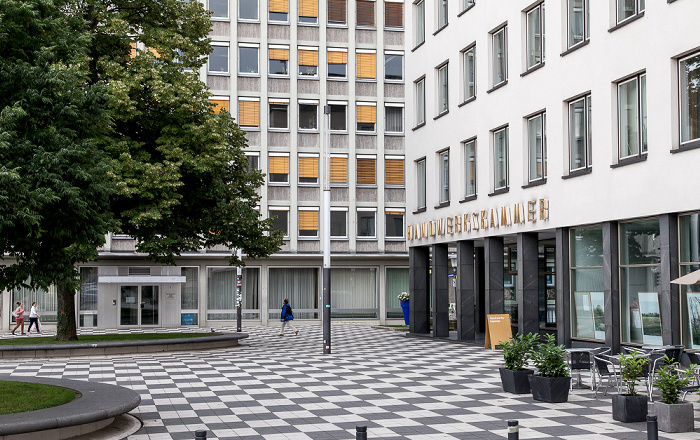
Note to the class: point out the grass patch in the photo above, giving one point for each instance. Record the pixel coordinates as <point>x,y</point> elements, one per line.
<point>16,397</point>
<point>91,339</point>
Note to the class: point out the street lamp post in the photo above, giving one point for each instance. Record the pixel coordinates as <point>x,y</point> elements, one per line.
<point>239,295</point>
<point>326,231</point>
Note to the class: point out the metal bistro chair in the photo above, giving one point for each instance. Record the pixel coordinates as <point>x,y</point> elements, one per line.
<point>657,360</point>
<point>579,361</point>
<point>605,368</point>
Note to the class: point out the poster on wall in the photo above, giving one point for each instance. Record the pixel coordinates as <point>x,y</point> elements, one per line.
<point>694,318</point>
<point>650,318</point>
<point>590,315</point>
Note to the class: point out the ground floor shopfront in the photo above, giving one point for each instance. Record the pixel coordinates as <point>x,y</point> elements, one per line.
<point>126,292</point>
<point>607,283</point>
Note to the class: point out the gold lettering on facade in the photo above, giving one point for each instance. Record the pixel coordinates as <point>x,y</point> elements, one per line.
<point>458,223</point>
<point>531,211</point>
<point>494,218</point>
<point>432,228</point>
<point>467,225</point>
<point>475,221</point>
<point>440,227</point>
<point>409,233</point>
<point>424,232</point>
<point>484,220</point>
<point>544,209</point>
<point>505,216</point>
<point>518,214</point>
<point>449,225</point>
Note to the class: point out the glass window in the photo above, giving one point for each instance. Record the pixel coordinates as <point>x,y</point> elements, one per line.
<point>470,167</point>
<point>394,170</point>
<point>366,117</point>
<point>466,4</point>
<point>580,133</point>
<point>337,11</point>
<point>366,223</point>
<point>396,282</point>
<point>366,64</point>
<point>281,220</point>
<point>444,164</point>
<point>419,16</point>
<point>469,59</point>
<point>632,116</point>
<point>689,71</point>
<point>354,293</point>
<point>248,60</point>
<point>221,302</point>
<point>441,13</point>
<point>420,101</point>
<point>299,285</point>
<point>628,8</point>
<point>588,301</point>
<point>394,223</point>
<point>278,170</point>
<point>442,89</point>
<point>308,11</point>
<point>500,56</point>
<point>537,147</point>
<point>278,61</point>
<point>279,114</point>
<point>420,175</point>
<point>393,119</point>
<point>308,222</point>
<point>218,59</point>
<point>308,168</point>
<point>189,296</point>
<point>219,8</point>
<point>337,64</point>
<point>578,20</point>
<point>547,283</point>
<point>393,14</point>
<point>535,36</point>
<point>339,169</point>
<point>689,234</point>
<point>500,158</point>
<point>87,298</point>
<point>339,223</point>
<point>366,169</point>
<point>393,66</point>
<point>253,161</point>
<point>339,117</point>
<point>308,61</point>
<point>248,112</point>
<point>278,10</point>
<point>510,282</point>
<point>248,9</point>
<point>308,116</point>
<point>365,13</point>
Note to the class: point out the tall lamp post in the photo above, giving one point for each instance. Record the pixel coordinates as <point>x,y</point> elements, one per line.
<point>326,231</point>
<point>239,295</point>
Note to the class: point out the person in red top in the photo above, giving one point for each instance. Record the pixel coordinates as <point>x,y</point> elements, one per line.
<point>19,311</point>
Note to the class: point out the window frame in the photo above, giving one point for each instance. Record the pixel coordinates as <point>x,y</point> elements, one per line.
<point>277,102</point>
<point>360,237</point>
<point>388,105</point>
<point>586,18</point>
<point>257,10</point>
<point>529,63</point>
<point>541,149</point>
<point>494,69</point>
<point>421,186</point>
<point>250,155</point>
<point>682,113</point>
<point>641,115</point>
<point>316,165</point>
<point>358,56</point>
<point>373,158</point>
<point>395,212</point>
<point>318,223</point>
<point>419,90</point>
<point>372,26</point>
<point>270,60</point>
<point>497,188</point>
<point>466,85</point>
<point>467,5</point>
<point>443,173</point>
<point>468,170</point>
<point>419,23</point>
<point>442,12</point>
<point>269,173</point>
<point>345,210</point>
<point>220,18</point>
<point>257,59</point>
<point>443,88</point>
<point>219,44</point>
<point>386,15</point>
<point>343,156</point>
<point>285,209</point>
<point>240,121</point>
<point>394,53</point>
<point>301,75</point>
<point>587,133</point>
<point>359,104</point>
<point>328,64</point>
<point>299,16</point>
<point>308,102</point>
<point>329,9</point>
<point>333,104</point>
<point>637,10</point>
<point>395,158</point>
<point>271,20</point>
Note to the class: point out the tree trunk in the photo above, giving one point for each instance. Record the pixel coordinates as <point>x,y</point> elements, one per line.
<point>65,322</point>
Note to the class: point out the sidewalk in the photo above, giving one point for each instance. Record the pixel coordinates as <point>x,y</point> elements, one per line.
<point>285,388</point>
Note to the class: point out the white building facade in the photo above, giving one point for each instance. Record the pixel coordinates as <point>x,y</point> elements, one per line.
<point>551,160</point>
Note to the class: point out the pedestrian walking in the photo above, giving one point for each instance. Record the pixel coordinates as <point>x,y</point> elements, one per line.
<point>287,317</point>
<point>19,315</point>
<point>33,319</point>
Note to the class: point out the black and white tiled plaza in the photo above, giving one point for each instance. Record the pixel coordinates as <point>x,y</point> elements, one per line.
<point>285,388</point>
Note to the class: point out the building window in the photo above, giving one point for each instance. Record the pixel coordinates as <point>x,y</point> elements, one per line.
<point>393,65</point>
<point>308,222</point>
<point>500,159</point>
<point>420,183</point>
<point>632,123</point>
<point>499,41</point>
<point>339,169</point>
<point>419,25</point>
<point>248,59</point>
<point>308,169</point>
<point>278,60</point>
<point>420,101</point>
<point>279,11</point>
<point>628,8</point>
<point>394,170</point>
<point>537,147</point>
<point>535,36</point>
<point>469,60</point>
<point>337,63</point>
<point>441,13</point>
<point>444,174</point>
<point>366,117</point>
<point>189,296</point>
<point>396,282</point>
<point>580,133</point>
<point>218,60</point>
<point>466,4</point>
<point>308,11</point>
<point>394,223</point>
<point>339,222</point>
<point>442,89</point>
<point>689,72</point>
<point>339,120</point>
<point>393,122</point>
<point>366,169</point>
<point>249,112</point>
<point>308,115</point>
<point>87,298</point>
<point>366,64</point>
<point>281,219</point>
<point>358,295</point>
<point>278,168</point>
<point>299,285</point>
<point>470,167</point>
<point>219,103</point>
<point>248,10</point>
<point>393,14</point>
<point>587,290</point>
<point>337,11</point>
<point>218,8</point>
<point>308,61</point>
<point>366,222</point>
<point>578,21</point>
<point>253,161</point>
<point>689,237</point>
<point>279,114</point>
<point>365,13</point>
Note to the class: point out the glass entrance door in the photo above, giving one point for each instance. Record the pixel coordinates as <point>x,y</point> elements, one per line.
<point>139,305</point>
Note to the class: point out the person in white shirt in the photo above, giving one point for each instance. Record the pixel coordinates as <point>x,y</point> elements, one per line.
<point>33,319</point>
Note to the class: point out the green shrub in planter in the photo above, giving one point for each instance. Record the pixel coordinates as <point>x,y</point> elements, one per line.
<point>628,406</point>
<point>671,382</point>
<point>517,351</point>
<point>549,358</point>
<point>673,415</point>
<point>632,367</point>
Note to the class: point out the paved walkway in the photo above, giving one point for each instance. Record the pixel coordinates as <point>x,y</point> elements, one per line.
<point>285,388</point>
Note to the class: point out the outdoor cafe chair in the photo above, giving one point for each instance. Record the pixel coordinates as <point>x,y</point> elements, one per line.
<point>605,368</point>
<point>657,360</point>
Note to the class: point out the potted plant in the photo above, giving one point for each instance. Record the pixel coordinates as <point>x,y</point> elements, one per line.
<point>516,352</point>
<point>673,415</point>
<point>404,298</point>
<point>552,381</point>
<point>629,406</point>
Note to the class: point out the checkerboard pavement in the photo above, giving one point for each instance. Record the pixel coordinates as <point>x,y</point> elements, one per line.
<point>285,388</point>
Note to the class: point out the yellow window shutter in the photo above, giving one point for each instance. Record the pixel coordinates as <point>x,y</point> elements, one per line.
<point>394,212</point>
<point>365,13</point>
<point>393,14</point>
<point>337,11</point>
<point>249,113</point>
<point>279,54</point>
<point>154,52</point>
<point>339,170</point>
<point>366,114</point>
<point>394,172</point>
<point>308,167</point>
<point>308,220</point>
<point>337,57</point>
<point>366,171</point>
<point>308,8</point>
<point>366,65</point>
<point>219,104</point>
<point>279,165</point>
<point>308,57</point>
<point>279,6</point>
<point>133,49</point>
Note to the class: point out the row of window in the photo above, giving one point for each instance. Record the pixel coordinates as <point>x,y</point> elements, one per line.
<point>366,169</point>
<point>308,115</point>
<point>278,12</point>
<point>632,136</point>
<point>278,62</point>
<point>366,222</point>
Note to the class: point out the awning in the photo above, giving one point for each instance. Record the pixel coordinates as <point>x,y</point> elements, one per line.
<point>144,279</point>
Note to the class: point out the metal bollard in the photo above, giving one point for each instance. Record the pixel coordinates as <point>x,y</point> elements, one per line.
<point>200,434</point>
<point>513,430</point>
<point>360,433</point>
<point>652,428</point>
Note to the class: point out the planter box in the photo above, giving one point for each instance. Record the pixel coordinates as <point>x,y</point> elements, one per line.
<point>515,381</point>
<point>550,389</point>
<point>677,417</point>
<point>629,408</point>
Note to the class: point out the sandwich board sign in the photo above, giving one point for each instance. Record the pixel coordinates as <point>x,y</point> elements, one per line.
<point>497,330</point>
